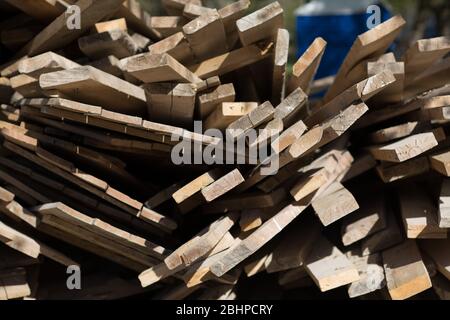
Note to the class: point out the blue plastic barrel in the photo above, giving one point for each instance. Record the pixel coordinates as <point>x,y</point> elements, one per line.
<point>339,22</point>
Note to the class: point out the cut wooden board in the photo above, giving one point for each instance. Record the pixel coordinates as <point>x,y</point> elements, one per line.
<point>223,185</point>
<point>208,102</point>
<point>231,13</point>
<point>291,109</point>
<point>261,24</point>
<point>394,93</point>
<point>257,239</point>
<point>14,284</point>
<point>171,103</point>
<point>440,162</point>
<point>92,86</point>
<point>369,219</point>
<point>228,112</point>
<point>288,137</point>
<point>176,45</point>
<point>399,131</point>
<point>195,249</point>
<point>305,68</point>
<point>444,205</point>
<point>335,203</point>
<point>56,35</point>
<point>206,36</point>
<point>5,195</point>
<point>167,26</point>
<point>193,11</point>
<point>423,53</point>
<point>279,66</point>
<point>361,91</point>
<point>103,229</point>
<point>233,60</point>
<point>114,42</point>
<point>329,267</point>
<point>370,44</point>
<point>405,271</point>
<point>260,115</point>
<point>392,172</point>
<point>110,25</point>
<point>19,241</point>
<point>150,68</point>
<point>420,215</point>
<point>195,185</point>
<point>45,63</point>
<point>409,147</point>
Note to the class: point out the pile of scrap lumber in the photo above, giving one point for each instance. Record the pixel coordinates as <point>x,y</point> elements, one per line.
<point>360,203</point>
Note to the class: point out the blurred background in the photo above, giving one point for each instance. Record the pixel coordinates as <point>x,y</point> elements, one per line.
<point>425,19</point>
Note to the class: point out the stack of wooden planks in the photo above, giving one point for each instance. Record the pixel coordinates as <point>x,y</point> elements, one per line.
<point>349,192</point>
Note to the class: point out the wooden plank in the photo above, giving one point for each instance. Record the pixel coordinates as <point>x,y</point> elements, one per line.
<point>45,63</point>
<point>370,44</point>
<point>423,53</point>
<point>208,102</point>
<point>231,13</point>
<point>171,103</point>
<point>288,137</point>
<point>89,85</point>
<point>362,91</point>
<point>19,241</point>
<point>193,11</point>
<point>196,185</point>
<point>279,66</point>
<point>334,204</point>
<point>398,131</point>
<point>444,205</point>
<point>393,172</point>
<point>56,35</point>
<point>167,25</point>
<point>190,252</point>
<point>99,227</point>
<point>261,24</point>
<point>305,69</point>
<point>232,61</point>
<point>420,215</point>
<point>440,162</point>
<point>408,148</point>
<point>114,42</point>
<point>14,284</point>
<point>290,110</point>
<point>394,93</point>
<point>199,33</point>
<point>228,112</point>
<point>176,46</point>
<point>110,25</point>
<point>369,219</point>
<point>223,185</point>
<point>329,267</point>
<point>405,271</point>
<point>5,195</point>
<point>262,114</point>
<point>150,68</point>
